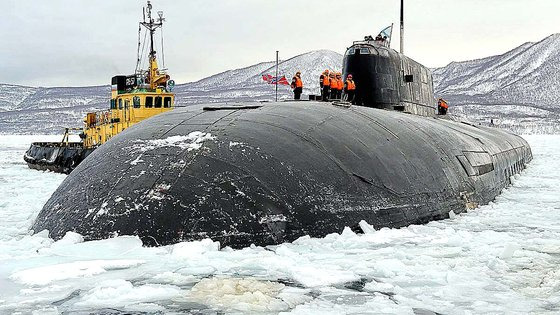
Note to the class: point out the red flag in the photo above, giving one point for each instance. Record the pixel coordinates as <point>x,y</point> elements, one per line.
<point>272,80</point>
<point>267,78</point>
<point>283,81</point>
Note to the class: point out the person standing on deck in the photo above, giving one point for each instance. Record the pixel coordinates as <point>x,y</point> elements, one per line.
<point>339,85</point>
<point>442,106</point>
<point>297,85</point>
<point>333,86</point>
<point>350,89</point>
<point>325,84</point>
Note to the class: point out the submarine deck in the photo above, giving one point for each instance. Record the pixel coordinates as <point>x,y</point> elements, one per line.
<point>269,173</point>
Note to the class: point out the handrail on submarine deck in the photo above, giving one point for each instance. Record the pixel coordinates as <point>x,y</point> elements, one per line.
<point>230,107</point>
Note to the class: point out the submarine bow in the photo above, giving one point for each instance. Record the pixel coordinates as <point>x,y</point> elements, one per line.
<point>268,174</point>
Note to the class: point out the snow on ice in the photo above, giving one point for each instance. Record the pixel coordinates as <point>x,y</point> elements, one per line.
<point>499,258</point>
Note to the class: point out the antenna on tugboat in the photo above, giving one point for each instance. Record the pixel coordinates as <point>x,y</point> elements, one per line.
<point>152,25</point>
<point>402,27</point>
<point>161,19</point>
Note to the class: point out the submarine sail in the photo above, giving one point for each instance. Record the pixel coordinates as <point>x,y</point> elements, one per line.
<point>388,79</point>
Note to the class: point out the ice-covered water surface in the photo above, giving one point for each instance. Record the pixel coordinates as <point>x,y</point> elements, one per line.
<point>500,258</point>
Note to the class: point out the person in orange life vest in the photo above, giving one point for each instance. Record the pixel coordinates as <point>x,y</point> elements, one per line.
<point>297,85</point>
<point>325,84</point>
<point>442,106</point>
<point>333,85</point>
<point>350,88</point>
<point>339,85</point>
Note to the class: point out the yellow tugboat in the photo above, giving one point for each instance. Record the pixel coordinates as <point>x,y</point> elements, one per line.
<point>133,98</point>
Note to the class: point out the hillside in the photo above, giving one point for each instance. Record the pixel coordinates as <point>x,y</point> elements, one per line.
<point>528,74</point>
<point>517,89</point>
<point>247,83</point>
<point>48,110</point>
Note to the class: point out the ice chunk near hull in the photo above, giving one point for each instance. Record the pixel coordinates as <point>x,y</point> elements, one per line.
<point>300,168</point>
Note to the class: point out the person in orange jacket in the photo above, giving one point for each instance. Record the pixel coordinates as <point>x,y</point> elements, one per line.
<point>442,106</point>
<point>297,85</point>
<point>339,85</point>
<point>350,88</point>
<point>325,84</point>
<point>333,86</point>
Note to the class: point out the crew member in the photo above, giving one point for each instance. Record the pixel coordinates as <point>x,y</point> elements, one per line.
<point>350,88</point>
<point>339,85</point>
<point>442,106</point>
<point>325,84</point>
<point>297,85</point>
<point>333,86</point>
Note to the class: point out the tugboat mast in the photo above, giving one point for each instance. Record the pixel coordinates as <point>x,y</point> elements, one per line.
<point>152,25</point>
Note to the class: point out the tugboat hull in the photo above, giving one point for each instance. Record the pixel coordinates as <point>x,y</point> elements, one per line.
<point>57,157</point>
<point>271,174</point>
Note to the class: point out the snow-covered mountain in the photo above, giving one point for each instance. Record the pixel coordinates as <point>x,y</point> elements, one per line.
<point>518,89</point>
<point>528,74</point>
<point>247,83</point>
<point>48,110</point>
<point>515,88</point>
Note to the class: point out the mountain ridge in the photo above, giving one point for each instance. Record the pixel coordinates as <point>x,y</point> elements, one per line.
<point>527,75</point>
<point>513,77</point>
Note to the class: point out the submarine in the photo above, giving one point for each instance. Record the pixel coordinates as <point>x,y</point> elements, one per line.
<point>268,173</point>
<point>136,97</point>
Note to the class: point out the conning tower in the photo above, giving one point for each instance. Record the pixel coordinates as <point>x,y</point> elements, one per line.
<point>388,79</point>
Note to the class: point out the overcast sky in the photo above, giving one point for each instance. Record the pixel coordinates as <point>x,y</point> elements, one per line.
<point>86,42</point>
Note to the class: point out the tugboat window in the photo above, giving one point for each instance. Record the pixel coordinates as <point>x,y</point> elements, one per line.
<point>136,102</point>
<point>351,51</point>
<point>158,102</point>
<point>149,102</point>
<point>120,103</point>
<point>113,104</point>
<point>364,51</point>
<point>167,102</point>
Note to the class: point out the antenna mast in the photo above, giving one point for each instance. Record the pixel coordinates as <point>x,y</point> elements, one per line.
<point>152,25</point>
<point>402,26</point>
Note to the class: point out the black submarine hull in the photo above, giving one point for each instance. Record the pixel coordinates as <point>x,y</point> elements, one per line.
<point>60,157</point>
<point>270,174</point>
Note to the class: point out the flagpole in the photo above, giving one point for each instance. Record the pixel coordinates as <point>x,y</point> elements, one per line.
<point>402,27</point>
<point>391,35</point>
<point>277,76</point>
